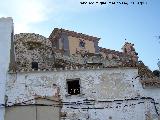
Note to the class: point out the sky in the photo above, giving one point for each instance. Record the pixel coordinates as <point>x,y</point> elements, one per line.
<point>113,23</point>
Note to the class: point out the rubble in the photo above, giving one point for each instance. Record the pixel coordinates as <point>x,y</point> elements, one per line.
<point>31,47</point>
<point>87,83</point>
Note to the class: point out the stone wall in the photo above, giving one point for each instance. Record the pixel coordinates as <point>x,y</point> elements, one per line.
<point>30,47</point>
<point>108,88</point>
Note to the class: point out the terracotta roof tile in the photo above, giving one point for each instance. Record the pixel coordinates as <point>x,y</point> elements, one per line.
<point>56,35</point>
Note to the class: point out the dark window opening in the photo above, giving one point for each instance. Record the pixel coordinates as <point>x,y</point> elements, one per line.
<point>35,65</point>
<point>125,50</point>
<point>81,44</point>
<point>73,87</point>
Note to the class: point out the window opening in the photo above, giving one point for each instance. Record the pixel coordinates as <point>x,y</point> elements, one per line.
<point>35,65</point>
<point>82,43</point>
<point>73,87</point>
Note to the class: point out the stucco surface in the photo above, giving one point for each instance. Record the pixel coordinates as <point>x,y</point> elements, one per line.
<point>6,28</point>
<point>112,93</point>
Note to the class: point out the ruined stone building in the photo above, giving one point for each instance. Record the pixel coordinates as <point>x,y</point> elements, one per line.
<point>68,76</point>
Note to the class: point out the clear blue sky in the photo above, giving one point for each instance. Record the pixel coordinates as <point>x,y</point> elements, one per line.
<point>139,24</point>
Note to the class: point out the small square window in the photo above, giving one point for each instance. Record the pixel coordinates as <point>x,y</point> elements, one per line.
<point>82,44</point>
<point>73,87</point>
<point>35,65</point>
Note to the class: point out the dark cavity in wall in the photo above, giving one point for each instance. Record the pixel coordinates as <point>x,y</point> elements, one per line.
<point>73,87</point>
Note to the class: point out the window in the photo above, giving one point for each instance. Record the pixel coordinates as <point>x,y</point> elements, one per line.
<point>35,65</point>
<point>125,50</point>
<point>73,87</point>
<point>82,43</point>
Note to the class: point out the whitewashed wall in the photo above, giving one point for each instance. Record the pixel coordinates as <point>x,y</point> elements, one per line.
<point>6,28</point>
<point>112,93</point>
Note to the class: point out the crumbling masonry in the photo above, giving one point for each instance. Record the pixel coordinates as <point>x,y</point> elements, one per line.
<point>86,81</point>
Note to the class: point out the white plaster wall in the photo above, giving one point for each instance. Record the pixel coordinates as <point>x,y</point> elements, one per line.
<point>6,27</point>
<point>105,85</point>
<point>152,92</point>
<point>95,84</point>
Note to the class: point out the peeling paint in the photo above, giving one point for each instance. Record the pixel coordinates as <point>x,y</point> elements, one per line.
<point>104,93</point>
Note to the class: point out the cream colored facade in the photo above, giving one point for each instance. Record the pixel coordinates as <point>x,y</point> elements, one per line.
<point>74,45</point>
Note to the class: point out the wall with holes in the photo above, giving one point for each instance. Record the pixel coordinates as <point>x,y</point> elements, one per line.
<point>109,93</point>
<point>31,47</point>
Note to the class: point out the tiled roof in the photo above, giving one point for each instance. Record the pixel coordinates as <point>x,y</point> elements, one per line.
<point>109,51</point>
<point>111,58</point>
<point>57,32</point>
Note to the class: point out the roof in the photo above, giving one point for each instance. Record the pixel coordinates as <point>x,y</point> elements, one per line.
<point>111,58</point>
<point>57,32</point>
<point>151,82</point>
<point>109,51</point>
<point>144,71</point>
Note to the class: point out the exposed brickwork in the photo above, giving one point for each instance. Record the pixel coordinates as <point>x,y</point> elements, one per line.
<point>31,47</point>
<point>34,47</point>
